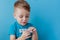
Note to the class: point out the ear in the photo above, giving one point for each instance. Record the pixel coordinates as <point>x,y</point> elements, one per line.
<point>14,15</point>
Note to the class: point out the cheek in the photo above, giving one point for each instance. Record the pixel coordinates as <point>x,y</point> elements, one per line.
<point>19,19</point>
<point>27,19</point>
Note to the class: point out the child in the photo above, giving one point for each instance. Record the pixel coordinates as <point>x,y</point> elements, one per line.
<point>21,29</point>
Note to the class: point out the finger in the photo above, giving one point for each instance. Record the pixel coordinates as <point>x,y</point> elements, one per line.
<point>28,37</point>
<point>34,30</point>
<point>31,28</point>
<point>27,33</point>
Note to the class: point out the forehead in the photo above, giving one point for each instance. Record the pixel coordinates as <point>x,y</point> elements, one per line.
<point>21,11</point>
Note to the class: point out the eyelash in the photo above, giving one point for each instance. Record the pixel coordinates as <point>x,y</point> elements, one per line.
<point>25,16</point>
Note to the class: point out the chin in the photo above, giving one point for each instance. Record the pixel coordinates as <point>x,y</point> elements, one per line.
<point>23,24</point>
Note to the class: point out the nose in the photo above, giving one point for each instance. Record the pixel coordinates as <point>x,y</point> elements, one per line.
<point>24,18</point>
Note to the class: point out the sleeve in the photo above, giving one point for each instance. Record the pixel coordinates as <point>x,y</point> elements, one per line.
<point>12,30</point>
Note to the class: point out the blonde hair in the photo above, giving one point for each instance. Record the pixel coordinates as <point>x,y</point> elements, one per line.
<point>23,4</point>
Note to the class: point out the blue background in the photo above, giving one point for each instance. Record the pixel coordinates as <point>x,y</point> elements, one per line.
<point>45,15</point>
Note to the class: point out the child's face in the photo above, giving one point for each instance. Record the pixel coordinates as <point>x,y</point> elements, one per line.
<point>21,15</point>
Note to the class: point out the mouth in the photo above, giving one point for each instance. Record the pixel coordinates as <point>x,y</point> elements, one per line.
<point>24,22</point>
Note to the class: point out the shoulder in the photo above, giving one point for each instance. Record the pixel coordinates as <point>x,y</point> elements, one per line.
<point>12,25</point>
<point>12,28</point>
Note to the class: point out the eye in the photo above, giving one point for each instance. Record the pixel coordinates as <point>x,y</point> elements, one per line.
<point>20,16</point>
<point>27,16</point>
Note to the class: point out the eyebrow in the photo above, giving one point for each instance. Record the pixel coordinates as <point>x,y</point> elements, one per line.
<point>27,14</point>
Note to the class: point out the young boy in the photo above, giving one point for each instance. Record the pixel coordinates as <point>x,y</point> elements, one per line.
<point>21,29</point>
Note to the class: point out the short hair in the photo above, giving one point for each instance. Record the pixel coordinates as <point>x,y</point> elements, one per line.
<point>23,4</point>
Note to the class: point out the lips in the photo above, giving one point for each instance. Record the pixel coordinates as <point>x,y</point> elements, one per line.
<point>24,22</point>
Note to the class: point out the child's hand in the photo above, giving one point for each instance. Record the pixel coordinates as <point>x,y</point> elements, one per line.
<point>32,29</point>
<point>26,34</point>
